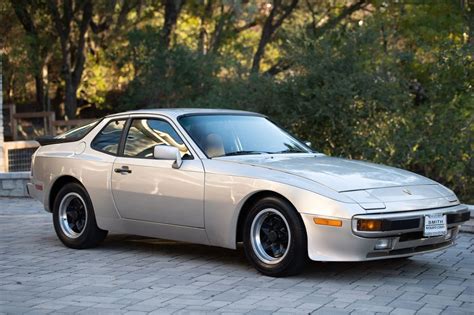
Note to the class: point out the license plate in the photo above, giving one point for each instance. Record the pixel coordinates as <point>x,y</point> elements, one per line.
<point>435,225</point>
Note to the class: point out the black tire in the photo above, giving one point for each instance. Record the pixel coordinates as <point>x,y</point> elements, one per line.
<point>89,235</point>
<point>296,255</point>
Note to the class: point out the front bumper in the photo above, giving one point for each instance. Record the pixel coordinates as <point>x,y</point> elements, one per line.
<point>329,243</point>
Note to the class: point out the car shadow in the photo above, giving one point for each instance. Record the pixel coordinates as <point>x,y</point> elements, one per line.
<point>173,250</point>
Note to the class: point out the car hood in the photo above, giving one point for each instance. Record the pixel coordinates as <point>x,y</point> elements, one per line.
<point>336,173</point>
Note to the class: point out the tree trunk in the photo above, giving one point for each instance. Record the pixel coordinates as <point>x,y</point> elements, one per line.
<point>318,31</point>
<point>70,102</point>
<point>203,42</point>
<point>275,19</point>
<point>172,10</point>
<point>467,7</point>
<point>333,22</point>
<point>39,90</point>
<point>264,40</point>
<point>73,57</point>
<point>21,11</point>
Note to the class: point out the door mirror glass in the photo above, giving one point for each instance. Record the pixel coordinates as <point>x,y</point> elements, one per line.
<point>167,152</point>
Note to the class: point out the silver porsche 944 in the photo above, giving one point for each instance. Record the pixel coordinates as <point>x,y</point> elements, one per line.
<point>221,177</point>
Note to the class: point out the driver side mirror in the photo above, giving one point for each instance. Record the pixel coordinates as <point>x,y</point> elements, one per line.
<point>167,152</point>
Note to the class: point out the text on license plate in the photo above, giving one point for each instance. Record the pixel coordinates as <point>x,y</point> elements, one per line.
<point>435,225</point>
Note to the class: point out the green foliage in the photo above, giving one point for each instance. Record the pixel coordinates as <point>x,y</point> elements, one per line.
<point>165,77</point>
<point>391,83</point>
<point>351,96</point>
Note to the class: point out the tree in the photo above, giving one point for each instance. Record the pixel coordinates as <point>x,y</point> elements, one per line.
<point>172,11</point>
<point>223,21</point>
<point>109,23</point>
<point>76,14</point>
<point>39,50</point>
<point>278,13</point>
<point>317,30</point>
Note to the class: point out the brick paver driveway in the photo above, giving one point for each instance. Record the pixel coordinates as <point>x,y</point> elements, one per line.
<point>130,274</point>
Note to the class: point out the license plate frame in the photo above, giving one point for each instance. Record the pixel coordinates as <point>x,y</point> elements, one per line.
<point>435,225</point>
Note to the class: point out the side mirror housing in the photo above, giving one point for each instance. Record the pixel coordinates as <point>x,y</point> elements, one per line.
<point>308,143</point>
<point>167,152</point>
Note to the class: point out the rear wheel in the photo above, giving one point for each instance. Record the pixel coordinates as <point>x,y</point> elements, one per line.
<point>74,219</point>
<point>275,238</point>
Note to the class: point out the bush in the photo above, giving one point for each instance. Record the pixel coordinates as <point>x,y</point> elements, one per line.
<point>346,93</point>
<point>165,77</point>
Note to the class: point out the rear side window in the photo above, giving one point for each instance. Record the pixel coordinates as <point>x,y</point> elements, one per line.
<point>108,139</point>
<point>79,132</point>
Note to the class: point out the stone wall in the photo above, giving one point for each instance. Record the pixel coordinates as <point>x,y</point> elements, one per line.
<point>14,184</point>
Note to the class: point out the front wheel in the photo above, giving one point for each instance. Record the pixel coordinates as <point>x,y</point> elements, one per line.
<point>74,219</point>
<point>275,238</point>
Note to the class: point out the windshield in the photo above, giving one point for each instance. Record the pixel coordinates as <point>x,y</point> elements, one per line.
<point>226,135</point>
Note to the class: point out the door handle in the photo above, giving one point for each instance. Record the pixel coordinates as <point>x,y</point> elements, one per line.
<point>123,170</point>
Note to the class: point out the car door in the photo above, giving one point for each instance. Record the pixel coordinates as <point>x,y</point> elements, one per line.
<point>147,189</point>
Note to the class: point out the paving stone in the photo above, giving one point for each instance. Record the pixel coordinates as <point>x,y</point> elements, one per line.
<point>136,275</point>
<point>429,311</point>
<point>330,311</point>
<point>411,305</point>
<point>466,298</point>
<point>402,311</point>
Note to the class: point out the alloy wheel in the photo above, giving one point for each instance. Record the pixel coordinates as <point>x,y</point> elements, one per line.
<point>72,215</point>
<point>270,236</point>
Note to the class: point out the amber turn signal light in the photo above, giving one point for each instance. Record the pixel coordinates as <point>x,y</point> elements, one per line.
<point>369,225</point>
<point>330,222</point>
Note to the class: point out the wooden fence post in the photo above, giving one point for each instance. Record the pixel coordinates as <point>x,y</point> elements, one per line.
<point>13,122</point>
<point>2,159</point>
<point>52,119</point>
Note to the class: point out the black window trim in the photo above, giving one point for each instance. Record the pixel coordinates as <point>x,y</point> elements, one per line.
<point>123,137</point>
<point>126,119</point>
<point>96,123</point>
<point>47,139</point>
<point>154,117</point>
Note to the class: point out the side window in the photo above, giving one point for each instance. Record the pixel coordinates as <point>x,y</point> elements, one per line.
<point>79,132</point>
<point>145,134</point>
<point>108,139</point>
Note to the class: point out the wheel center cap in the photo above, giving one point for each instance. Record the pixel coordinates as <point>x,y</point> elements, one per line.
<point>73,214</point>
<point>272,236</point>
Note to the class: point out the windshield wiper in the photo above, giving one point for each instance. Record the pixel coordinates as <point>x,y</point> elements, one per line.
<point>244,152</point>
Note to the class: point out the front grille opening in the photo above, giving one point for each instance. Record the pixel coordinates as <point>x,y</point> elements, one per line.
<point>458,217</point>
<point>402,224</point>
<point>410,236</point>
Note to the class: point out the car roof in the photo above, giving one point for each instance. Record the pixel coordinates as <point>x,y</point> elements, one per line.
<point>176,112</point>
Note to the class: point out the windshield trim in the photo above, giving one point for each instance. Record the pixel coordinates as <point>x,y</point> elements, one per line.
<point>223,113</point>
<point>178,119</point>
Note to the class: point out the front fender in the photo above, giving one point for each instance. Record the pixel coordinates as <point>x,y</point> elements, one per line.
<point>226,196</point>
